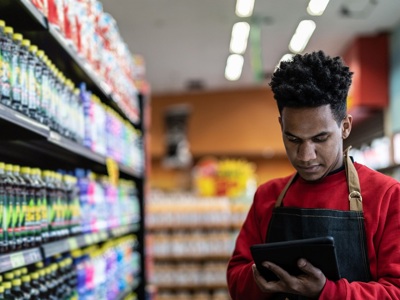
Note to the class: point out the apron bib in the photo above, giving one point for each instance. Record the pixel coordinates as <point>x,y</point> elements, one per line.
<point>347,228</point>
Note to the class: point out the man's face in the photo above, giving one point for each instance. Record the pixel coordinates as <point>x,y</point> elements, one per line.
<point>313,140</point>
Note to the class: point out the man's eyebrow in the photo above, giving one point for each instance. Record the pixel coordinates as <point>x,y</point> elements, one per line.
<point>323,133</point>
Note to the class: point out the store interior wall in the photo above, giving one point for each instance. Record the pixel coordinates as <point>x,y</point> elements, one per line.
<point>239,124</point>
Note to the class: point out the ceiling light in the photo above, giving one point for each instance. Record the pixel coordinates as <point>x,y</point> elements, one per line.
<point>317,7</point>
<point>244,8</point>
<point>302,35</point>
<point>234,66</point>
<point>240,35</point>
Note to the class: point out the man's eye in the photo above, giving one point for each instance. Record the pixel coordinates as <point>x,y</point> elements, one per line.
<point>293,139</point>
<point>320,139</point>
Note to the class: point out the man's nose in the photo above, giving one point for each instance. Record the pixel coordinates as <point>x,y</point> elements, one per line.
<point>306,151</point>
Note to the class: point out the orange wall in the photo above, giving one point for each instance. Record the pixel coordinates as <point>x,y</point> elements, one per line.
<point>230,124</point>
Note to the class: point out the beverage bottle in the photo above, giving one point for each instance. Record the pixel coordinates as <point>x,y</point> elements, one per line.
<point>2,292</point>
<point>16,72</point>
<point>20,205</point>
<point>72,279</point>
<point>6,46</point>
<point>8,212</point>
<point>3,248</point>
<point>41,205</point>
<point>2,25</point>
<point>27,289</point>
<point>58,206</point>
<point>7,291</point>
<point>50,283</point>
<point>42,78</point>
<point>35,286</point>
<point>8,277</point>
<point>43,287</point>
<point>23,70</point>
<point>34,75</point>
<point>16,289</point>
<point>51,193</point>
<point>17,273</point>
<point>31,224</point>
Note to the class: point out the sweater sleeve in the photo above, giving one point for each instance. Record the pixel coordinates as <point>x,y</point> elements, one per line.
<point>385,264</point>
<point>240,279</point>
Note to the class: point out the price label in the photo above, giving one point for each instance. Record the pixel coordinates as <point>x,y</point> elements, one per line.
<point>73,244</point>
<point>88,239</point>
<point>17,260</point>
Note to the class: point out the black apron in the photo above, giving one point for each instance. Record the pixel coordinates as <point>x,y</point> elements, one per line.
<point>347,228</point>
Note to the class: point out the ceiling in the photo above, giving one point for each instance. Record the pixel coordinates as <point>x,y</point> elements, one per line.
<point>185,43</point>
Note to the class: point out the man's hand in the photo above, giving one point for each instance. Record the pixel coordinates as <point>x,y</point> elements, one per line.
<point>309,284</point>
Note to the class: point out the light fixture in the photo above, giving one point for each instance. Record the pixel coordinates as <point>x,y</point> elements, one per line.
<point>244,8</point>
<point>302,35</point>
<point>240,35</point>
<point>234,66</point>
<point>317,7</point>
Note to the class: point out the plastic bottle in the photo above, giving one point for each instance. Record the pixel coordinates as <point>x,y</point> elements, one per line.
<point>28,291</point>
<point>6,48</point>
<point>43,285</point>
<point>43,87</point>
<point>7,291</point>
<point>20,205</point>
<point>34,75</point>
<point>35,286</point>
<point>31,224</point>
<point>3,248</point>
<point>41,205</point>
<point>2,25</point>
<point>8,212</point>
<point>16,72</point>
<point>51,193</point>
<point>2,292</point>
<point>23,69</point>
<point>16,289</point>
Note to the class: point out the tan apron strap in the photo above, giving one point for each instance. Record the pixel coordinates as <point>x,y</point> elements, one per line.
<point>353,183</point>
<point>278,202</point>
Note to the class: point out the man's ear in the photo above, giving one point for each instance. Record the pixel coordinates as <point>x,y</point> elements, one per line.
<point>346,126</point>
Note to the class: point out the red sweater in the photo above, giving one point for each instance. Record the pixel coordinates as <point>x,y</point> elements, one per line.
<point>381,206</point>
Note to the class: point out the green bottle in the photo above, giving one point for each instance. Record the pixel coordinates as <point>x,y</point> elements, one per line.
<point>26,288</point>
<point>5,71</point>
<point>8,212</point>
<point>7,291</point>
<point>35,286</point>
<point>16,289</point>
<point>24,74</point>
<point>2,292</point>
<point>20,210</point>
<point>16,72</point>
<point>31,225</point>
<point>41,204</point>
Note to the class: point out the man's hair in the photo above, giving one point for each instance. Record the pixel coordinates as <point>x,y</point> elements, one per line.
<point>311,80</point>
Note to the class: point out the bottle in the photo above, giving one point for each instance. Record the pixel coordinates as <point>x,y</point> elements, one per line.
<point>16,72</point>
<point>41,205</point>
<point>51,193</point>
<point>16,289</point>
<point>5,76</point>
<point>19,209</point>
<point>7,291</point>
<point>3,248</point>
<point>35,286</point>
<point>8,212</point>
<point>28,291</point>
<point>34,75</point>
<point>43,287</point>
<point>42,77</point>
<point>2,25</point>
<point>2,292</point>
<point>24,74</point>
<point>30,213</point>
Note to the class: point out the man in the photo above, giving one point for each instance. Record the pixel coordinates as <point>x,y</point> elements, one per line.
<point>328,195</point>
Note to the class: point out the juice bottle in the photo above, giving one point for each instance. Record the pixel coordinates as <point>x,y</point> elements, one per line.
<point>31,224</point>
<point>6,48</point>
<point>8,212</point>
<point>3,248</point>
<point>23,69</point>
<point>41,205</point>
<point>16,289</point>
<point>16,72</point>
<point>33,77</point>
<point>19,209</point>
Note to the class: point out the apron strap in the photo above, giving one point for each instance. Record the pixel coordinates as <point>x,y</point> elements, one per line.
<point>353,183</point>
<point>278,202</point>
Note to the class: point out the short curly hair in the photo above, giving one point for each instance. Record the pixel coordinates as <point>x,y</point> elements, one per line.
<point>311,80</point>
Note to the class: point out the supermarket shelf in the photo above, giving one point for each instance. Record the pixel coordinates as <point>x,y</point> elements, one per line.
<point>177,286</point>
<point>192,258</point>
<point>19,259</point>
<point>40,140</point>
<point>201,226</point>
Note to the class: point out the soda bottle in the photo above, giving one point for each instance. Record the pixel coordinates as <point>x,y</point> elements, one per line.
<point>34,75</point>
<point>19,210</point>
<point>23,69</point>
<point>2,292</point>
<point>42,78</point>
<point>27,290</point>
<point>41,205</point>
<point>16,72</point>
<point>8,212</point>
<point>51,193</point>
<point>30,211</point>
<point>3,248</point>
<point>7,291</point>
<point>2,25</point>
<point>40,290</point>
<point>16,289</point>
<point>5,75</point>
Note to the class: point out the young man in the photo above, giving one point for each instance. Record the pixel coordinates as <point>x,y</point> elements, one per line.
<point>328,195</point>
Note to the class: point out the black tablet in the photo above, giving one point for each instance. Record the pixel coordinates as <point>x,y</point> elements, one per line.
<point>320,252</point>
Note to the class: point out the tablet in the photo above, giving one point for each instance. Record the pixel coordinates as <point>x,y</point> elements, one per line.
<point>320,252</point>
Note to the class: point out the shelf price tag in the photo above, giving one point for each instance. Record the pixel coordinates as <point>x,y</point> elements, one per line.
<point>88,239</point>
<point>17,260</point>
<point>113,171</point>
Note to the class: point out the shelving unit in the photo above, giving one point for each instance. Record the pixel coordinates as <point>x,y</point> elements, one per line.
<point>24,141</point>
